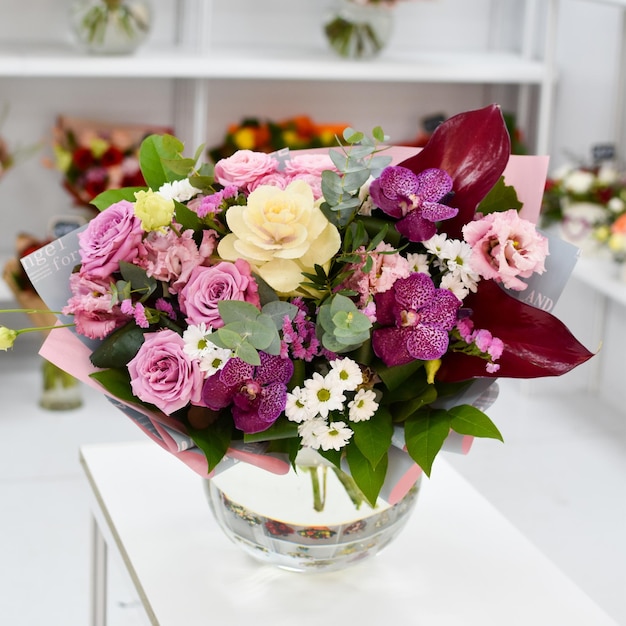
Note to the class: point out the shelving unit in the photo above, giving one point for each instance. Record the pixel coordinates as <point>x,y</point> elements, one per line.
<point>197,61</point>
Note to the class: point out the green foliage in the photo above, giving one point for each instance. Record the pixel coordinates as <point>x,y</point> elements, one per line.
<point>119,347</point>
<point>342,326</point>
<point>214,440</point>
<point>369,479</point>
<point>111,196</point>
<point>502,197</point>
<point>355,163</point>
<point>247,330</point>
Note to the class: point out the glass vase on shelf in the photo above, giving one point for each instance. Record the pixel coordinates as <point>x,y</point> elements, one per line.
<point>359,29</point>
<point>60,390</point>
<point>312,518</point>
<point>110,26</point>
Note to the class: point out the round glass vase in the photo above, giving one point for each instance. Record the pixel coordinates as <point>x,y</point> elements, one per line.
<point>311,519</point>
<point>358,31</point>
<point>110,27</point>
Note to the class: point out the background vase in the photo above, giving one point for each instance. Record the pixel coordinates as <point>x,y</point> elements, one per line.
<point>110,26</point>
<point>357,31</point>
<point>60,391</point>
<point>311,519</point>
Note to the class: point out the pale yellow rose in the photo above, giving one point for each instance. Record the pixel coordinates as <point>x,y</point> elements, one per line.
<point>7,338</point>
<point>282,233</point>
<point>154,210</point>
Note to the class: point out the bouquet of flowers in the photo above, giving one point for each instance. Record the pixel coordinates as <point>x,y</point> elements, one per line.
<point>296,133</point>
<point>96,156</point>
<point>330,300</point>
<point>589,204</point>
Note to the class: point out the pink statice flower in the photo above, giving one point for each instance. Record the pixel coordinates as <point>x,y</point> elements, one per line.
<point>162,374</point>
<point>112,236</point>
<point>243,168</point>
<point>415,318</point>
<point>137,311</point>
<point>92,306</point>
<point>479,342</point>
<point>299,336</point>
<point>171,257</point>
<point>208,286</point>
<point>386,269</point>
<point>505,248</point>
<point>213,203</point>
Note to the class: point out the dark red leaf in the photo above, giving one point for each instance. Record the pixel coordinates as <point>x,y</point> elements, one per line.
<point>537,344</point>
<point>473,148</point>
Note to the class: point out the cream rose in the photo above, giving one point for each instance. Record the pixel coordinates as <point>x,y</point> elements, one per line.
<point>281,233</point>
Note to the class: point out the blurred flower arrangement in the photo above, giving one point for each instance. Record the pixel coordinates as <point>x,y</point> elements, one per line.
<point>589,205</point>
<point>296,133</point>
<point>328,300</point>
<point>95,156</point>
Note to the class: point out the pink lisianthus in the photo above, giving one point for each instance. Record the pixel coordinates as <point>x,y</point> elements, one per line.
<point>385,270</point>
<point>505,248</point>
<point>112,236</point>
<point>208,286</point>
<point>94,315</point>
<point>171,258</point>
<point>162,374</point>
<point>243,168</point>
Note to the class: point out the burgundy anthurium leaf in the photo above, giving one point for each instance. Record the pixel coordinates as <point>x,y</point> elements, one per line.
<point>473,148</point>
<point>536,344</point>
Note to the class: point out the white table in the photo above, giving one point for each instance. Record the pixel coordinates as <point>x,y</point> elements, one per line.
<point>458,561</point>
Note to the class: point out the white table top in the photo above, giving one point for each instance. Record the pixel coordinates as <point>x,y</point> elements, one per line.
<point>458,562</point>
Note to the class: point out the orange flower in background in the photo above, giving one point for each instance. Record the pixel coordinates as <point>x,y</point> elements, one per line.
<point>297,133</point>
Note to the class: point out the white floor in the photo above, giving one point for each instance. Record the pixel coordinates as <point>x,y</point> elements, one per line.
<point>560,477</point>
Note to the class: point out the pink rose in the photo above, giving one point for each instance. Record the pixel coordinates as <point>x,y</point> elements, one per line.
<point>91,307</point>
<point>112,236</point>
<point>275,179</point>
<point>313,164</point>
<point>162,374</point>
<point>243,168</point>
<point>506,247</point>
<point>207,286</point>
<point>171,258</point>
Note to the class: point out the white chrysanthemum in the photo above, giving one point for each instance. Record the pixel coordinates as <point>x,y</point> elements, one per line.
<point>196,338</point>
<point>214,359</point>
<point>324,394</point>
<point>616,205</point>
<point>297,409</point>
<point>347,372</point>
<point>363,406</point>
<point>309,431</point>
<point>578,181</point>
<point>335,436</point>
<point>453,283</point>
<point>180,190</point>
<point>436,244</point>
<point>418,263</point>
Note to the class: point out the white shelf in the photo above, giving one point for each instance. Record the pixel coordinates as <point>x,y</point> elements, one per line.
<point>58,61</point>
<point>600,274</point>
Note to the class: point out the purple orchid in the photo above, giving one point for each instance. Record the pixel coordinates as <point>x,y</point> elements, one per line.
<point>414,318</point>
<point>413,199</point>
<point>258,394</point>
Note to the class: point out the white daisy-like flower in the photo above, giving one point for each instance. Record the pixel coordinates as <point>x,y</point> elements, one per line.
<point>214,359</point>
<point>297,409</point>
<point>309,431</point>
<point>435,244</point>
<point>453,283</point>
<point>180,190</point>
<point>197,339</point>
<point>418,263</point>
<point>363,406</point>
<point>335,436</point>
<point>616,205</point>
<point>347,372</point>
<point>324,394</point>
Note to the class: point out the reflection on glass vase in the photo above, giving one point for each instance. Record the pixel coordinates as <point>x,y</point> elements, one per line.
<point>311,519</point>
<point>359,31</point>
<point>110,26</point>
<point>60,391</point>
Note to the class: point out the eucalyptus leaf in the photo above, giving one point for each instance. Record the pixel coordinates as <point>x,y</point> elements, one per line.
<point>247,353</point>
<point>236,311</point>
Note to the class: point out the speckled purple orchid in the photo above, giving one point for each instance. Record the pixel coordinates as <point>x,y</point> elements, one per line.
<point>414,318</point>
<point>258,394</point>
<point>413,199</point>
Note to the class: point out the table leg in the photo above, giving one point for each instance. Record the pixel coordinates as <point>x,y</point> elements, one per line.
<point>98,576</point>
